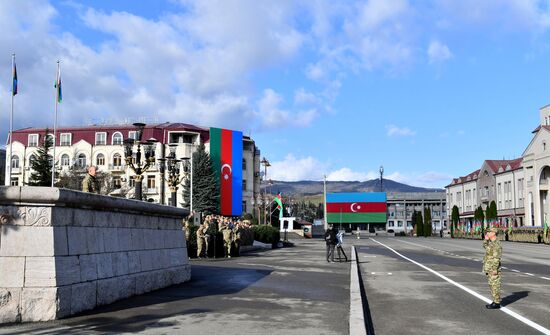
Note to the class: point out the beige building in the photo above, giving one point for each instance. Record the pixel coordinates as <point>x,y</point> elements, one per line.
<point>519,186</point>
<point>102,146</point>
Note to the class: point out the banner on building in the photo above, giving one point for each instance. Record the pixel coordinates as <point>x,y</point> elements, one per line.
<point>356,207</point>
<point>226,151</point>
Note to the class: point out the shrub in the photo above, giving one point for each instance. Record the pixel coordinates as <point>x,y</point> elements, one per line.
<point>266,234</point>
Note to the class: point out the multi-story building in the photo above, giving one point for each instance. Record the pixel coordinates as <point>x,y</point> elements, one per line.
<point>402,204</point>
<point>2,166</point>
<point>519,186</point>
<point>103,146</point>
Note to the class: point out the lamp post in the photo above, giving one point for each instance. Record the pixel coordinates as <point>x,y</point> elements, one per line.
<point>188,170</point>
<point>266,164</point>
<point>136,164</point>
<point>172,166</point>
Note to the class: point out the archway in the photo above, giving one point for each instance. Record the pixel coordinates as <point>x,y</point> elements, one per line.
<point>544,180</point>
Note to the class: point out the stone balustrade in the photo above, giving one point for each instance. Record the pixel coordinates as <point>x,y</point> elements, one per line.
<point>63,252</point>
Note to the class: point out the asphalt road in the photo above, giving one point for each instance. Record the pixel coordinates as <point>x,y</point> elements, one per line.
<point>406,298</point>
<point>281,291</point>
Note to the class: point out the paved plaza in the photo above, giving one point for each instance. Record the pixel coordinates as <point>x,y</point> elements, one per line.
<point>412,285</point>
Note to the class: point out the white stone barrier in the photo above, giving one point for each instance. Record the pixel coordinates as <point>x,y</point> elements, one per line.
<point>63,252</point>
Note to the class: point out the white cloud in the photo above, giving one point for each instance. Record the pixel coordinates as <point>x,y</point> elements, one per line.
<point>295,169</point>
<point>430,179</point>
<point>393,130</point>
<point>438,52</point>
<point>272,115</point>
<point>346,174</point>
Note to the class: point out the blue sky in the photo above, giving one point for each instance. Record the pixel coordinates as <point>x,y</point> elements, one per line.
<point>428,89</point>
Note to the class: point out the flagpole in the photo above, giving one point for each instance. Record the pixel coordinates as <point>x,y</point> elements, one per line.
<point>325,200</point>
<point>55,122</point>
<point>8,181</point>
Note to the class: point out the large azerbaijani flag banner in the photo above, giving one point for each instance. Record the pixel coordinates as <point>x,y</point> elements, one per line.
<point>356,207</point>
<point>226,152</point>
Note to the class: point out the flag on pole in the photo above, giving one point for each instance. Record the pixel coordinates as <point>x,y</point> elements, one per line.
<point>356,207</point>
<point>57,86</point>
<point>279,202</point>
<point>14,85</point>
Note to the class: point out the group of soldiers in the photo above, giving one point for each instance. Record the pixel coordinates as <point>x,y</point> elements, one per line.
<point>230,228</point>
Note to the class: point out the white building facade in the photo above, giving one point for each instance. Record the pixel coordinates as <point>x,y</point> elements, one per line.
<point>103,147</point>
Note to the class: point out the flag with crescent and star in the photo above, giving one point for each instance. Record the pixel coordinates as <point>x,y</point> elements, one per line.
<point>356,207</point>
<point>226,152</point>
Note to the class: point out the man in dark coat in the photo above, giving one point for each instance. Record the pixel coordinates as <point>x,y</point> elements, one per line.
<point>330,240</point>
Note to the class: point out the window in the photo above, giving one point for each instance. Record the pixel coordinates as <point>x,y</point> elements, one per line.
<point>15,162</point>
<point>65,160</point>
<point>399,223</point>
<point>133,135</point>
<point>33,140</point>
<point>65,139</point>
<point>244,206</point>
<point>81,161</point>
<point>100,138</point>
<point>100,160</point>
<point>117,160</point>
<point>244,184</point>
<point>151,182</point>
<point>117,182</point>
<point>244,165</point>
<point>132,181</point>
<point>390,223</point>
<point>117,138</point>
<point>14,182</point>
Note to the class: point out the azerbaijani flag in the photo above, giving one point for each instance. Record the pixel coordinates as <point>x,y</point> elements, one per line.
<point>14,86</point>
<point>57,86</point>
<point>356,207</point>
<point>279,202</point>
<point>226,152</point>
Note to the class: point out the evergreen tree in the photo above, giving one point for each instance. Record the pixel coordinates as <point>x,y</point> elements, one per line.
<point>492,212</point>
<point>419,224</point>
<point>427,222</point>
<point>455,217</point>
<point>206,194</point>
<point>413,219</point>
<point>42,164</point>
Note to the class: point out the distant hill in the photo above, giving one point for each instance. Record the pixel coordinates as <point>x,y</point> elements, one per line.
<point>309,188</point>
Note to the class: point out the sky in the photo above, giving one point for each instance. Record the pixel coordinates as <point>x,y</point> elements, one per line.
<point>426,89</point>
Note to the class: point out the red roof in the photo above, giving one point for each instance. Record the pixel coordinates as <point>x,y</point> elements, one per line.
<point>495,165</point>
<point>87,133</point>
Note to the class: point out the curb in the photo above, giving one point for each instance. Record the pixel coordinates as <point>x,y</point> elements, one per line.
<point>356,313</point>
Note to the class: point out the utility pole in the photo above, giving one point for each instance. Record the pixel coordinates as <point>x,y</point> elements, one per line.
<point>381,178</point>
<point>325,200</point>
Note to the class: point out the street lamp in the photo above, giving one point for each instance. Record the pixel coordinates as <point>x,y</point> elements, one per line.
<point>136,164</point>
<point>188,171</point>
<point>172,164</point>
<point>266,164</point>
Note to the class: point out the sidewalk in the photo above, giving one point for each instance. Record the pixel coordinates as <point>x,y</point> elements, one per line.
<point>280,291</point>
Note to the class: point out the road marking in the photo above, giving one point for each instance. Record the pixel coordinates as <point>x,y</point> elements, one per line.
<point>529,274</point>
<point>545,278</point>
<point>366,256</point>
<point>514,270</point>
<point>475,294</point>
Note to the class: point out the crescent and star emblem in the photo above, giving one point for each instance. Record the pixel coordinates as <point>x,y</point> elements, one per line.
<point>355,209</point>
<point>226,175</point>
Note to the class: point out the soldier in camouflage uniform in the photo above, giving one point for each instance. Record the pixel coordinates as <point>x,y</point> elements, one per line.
<point>200,241</point>
<point>491,265</point>
<point>227,238</point>
<point>237,238</point>
<point>90,183</point>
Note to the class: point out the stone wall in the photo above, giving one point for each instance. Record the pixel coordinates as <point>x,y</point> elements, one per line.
<point>64,252</point>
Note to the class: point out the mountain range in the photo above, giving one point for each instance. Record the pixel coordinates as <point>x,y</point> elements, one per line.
<point>309,188</point>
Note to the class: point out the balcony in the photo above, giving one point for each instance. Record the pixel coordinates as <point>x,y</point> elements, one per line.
<point>15,170</point>
<point>113,167</point>
<point>152,190</point>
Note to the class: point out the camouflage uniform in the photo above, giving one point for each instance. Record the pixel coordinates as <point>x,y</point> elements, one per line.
<point>206,238</point>
<point>237,239</point>
<point>90,184</point>
<point>491,266</point>
<point>200,240</point>
<point>227,239</point>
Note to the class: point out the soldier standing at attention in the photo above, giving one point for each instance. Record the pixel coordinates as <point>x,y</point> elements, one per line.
<point>90,183</point>
<point>491,265</point>
<point>227,238</point>
<point>200,241</point>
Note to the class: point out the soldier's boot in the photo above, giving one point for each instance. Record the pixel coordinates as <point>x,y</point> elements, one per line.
<point>493,305</point>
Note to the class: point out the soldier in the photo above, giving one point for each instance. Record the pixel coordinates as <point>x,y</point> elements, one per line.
<point>491,265</point>
<point>237,238</point>
<point>90,183</point>
<point>200,241</point>
<point>227,237</point>
<point>206,238</point>
<point>187,228</point>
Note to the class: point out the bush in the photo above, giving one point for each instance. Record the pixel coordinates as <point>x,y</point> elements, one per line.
<point>266,234</point>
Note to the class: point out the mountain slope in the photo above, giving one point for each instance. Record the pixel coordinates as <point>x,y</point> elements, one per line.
<point>308,187</point>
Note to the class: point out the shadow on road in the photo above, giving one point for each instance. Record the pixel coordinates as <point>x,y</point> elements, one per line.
<point>209,283</point>
<point>514,297</point>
